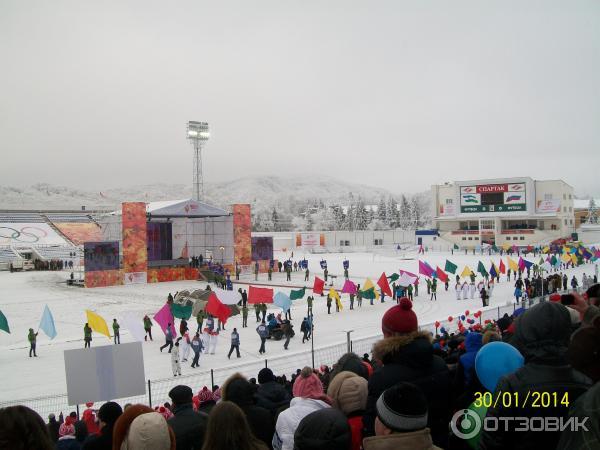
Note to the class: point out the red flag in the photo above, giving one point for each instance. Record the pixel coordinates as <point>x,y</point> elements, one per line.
<point>260,295</point>
<point>384,285</point>
<point>216,308</point>
<point>502,267</point>
<point>442,276</point>
<point>318,286</point>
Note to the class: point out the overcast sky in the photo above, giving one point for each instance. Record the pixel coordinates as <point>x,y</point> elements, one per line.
<point>397,94</point>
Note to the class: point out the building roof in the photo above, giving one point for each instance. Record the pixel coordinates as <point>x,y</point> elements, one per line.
<point>584,203</point>
<point>184,208</point>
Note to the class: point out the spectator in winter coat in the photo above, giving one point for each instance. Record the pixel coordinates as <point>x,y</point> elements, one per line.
<point>308,397</point>
<point>23,429</point>
<point>542,335</point>
<point>53,427</point>
<point>271,395</point>
<point>66,438</point>
<point>238,390</point>
<point>323,429</point>
<point>141,428</point>
<point>466,382</point>
<point>108,415</point>
<point>89,417</point>
<point>353,363</point>
<point>228,429</point>
<point>407,355</point>
<point>349,394</point>
<point>189,426</point>
<point>401,422</point>
<point>81,431</point>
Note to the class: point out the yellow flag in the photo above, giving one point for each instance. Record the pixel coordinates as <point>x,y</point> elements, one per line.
<point>466,272</point>
<point>512,265</point>
<point>333,294</point>
<point>574,259</point>
<point>546,249</point>
<point>97,323</point>
<point>506,246</point>
<point>368,285</point>
<point>565,258</point>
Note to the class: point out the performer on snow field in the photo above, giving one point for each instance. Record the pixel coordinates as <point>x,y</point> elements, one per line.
<point>175,363</point>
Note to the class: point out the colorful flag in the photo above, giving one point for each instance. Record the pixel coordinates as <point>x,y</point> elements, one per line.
<point>528,264</point>
<point>297,294</point>
<point>4,323</point>
<point>369,290</point>
<point>481,269</point>
<point>393,277</point>
<point>283,301</point>
<point>47,323</point>
<point>410,274</point>
<point>405,279</point>
<point>318,286</point>
<point>218,309</point>
<point>441,274</point>
<point>349,287</point>
<point>502,267</point>
<point>134,325</point>
<point>384,285</point>
<point>521,264</point>
<point>493,271</point>
<point>260,295</point>
<point>450,267</point>
<point>424,269</point>
<point>456,247</point>
<point>97,323</point>
<point>506,246</point>
<point>574,260</point>
<point>512,265</point>
<point>164,317</point>
<point>565,257</point>
<point>466,272</point>
<point>181,311</point>
<point>227,297</point>
<point>546,249</point>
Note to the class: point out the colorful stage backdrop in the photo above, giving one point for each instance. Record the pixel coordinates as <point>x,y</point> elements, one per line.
<point>78,233</point>
<point>262,248</point>
<point>135,253</point>
<point>242,228</point>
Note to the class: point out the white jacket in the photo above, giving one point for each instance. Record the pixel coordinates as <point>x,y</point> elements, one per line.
<point>289,419</point>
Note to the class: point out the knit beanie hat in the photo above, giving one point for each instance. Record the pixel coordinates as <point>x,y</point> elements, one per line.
<point>399,319</point>
<point>265,375</point>
<point>110,412</point>
<point>402,408</point>
<point>205,395</point>
<point>308,385</point>
<point>66,429</point>
<point>348,392</point>
<point>584,351</point>
<point>323,429</point>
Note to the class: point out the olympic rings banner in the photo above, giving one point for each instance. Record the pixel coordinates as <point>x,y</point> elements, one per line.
<point>29,234</point>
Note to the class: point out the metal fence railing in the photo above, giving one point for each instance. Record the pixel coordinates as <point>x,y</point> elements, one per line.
<point>157,390</point>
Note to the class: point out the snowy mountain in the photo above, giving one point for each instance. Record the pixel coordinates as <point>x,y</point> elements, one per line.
<point>261,192</point>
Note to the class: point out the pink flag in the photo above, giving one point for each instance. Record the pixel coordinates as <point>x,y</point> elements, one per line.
<point>424,269</point>
<point>349,287</point>
<point>410,274</point>
<point>521,264</point>
<point>164,317</point>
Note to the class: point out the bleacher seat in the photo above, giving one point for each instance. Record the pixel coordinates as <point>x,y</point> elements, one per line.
<point>68,217</point>
<point>7,255</point>
<point>9,217</point>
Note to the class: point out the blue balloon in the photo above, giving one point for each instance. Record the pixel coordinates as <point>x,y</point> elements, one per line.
<point>494,360</point>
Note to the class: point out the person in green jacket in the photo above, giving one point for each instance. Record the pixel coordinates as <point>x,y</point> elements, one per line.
<point>257,311</point>
<point>263,310</point>
<point>200,319</point>
<point>244,316</point>
<point>409,289</point>
<point>147,327</point>
<point>270,274</point>
<point>32,337</point>
<point>117,336</point>
<point>87,336</point>
<point>310,300</point>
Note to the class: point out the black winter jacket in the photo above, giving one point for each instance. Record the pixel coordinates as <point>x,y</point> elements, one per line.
<point>272,396</point>
<point>189,427</point>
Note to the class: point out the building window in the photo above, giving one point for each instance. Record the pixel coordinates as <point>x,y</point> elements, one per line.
<point>570,209</point>
<point>470,238</point>
<point>464,238</point>
<point>571,221</point>
<point>448,201</point>
<point>476,238</point>
<point>547,196</point>
<point>378,242</point>
<point>508,238</point>
<point>565,221</point>
<point>344,243</point>
<point>570,196</point>
<point>564,196</point>
<point>522,238</point>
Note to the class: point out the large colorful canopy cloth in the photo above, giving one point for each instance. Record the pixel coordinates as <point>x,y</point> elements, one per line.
<point>260,295</point>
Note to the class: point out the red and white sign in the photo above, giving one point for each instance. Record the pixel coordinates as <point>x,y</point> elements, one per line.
<point>447,210</point>
<point>548,206</point>
<point>310,239</point>
<point>135,278</point>
<point>485,188</point>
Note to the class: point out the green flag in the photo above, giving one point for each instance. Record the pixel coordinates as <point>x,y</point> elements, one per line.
<point>553,260</point>
<point>541,261</point>
<point>494,248</point>
<point>181,311</point>
<point>393,277</point>
<point>369,294</point>
<point>295,295</point>
<point>456,247</point>
<point>481,269</point>
<point>450,267</point>
<point>4,323</point>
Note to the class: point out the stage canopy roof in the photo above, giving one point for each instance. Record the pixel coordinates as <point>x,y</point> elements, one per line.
<point>184,208</point>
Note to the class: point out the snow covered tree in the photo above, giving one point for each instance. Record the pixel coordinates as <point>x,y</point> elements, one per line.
<point>275,220</point>
<point>382,210</point>
<point>392,216</point>
<point>405,213</point>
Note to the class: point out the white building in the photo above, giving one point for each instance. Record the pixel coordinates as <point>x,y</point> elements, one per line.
<point>519,211</point>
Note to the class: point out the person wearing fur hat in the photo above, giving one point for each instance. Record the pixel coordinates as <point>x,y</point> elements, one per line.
<point>107,415</point>
<point>406,354</point>
<point>271,395</point>
<point>188,425</point>
<point>140,428</point>
<point>542,335</point>
<point>323,429</point>
<point>349,394</point>
<point>237,389</point>
<point>308,397</point>
<point>66,438</point>
<point>401,422</point>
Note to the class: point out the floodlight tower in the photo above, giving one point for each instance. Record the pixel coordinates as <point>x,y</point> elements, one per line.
<point>198,134</point>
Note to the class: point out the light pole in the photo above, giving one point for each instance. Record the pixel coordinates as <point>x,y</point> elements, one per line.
<point>198,134</point>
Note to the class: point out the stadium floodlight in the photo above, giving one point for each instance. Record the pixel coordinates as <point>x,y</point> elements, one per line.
<point>198,133</point>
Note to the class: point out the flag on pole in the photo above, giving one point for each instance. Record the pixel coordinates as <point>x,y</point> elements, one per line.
<point>181,311</point>
<point>384,285</point>
<point>4,323</point>
<point>297,294</point>
<point>369,291</point>
<point>574,259</point>
<point>260,295</point>
<point>521,264</point>
<point>481,269</point>
<point>97,323</point>
<point>134,325</point>
<point>406,279</point>
<point>493,271</point>
<point>441,274</point>
<point>164,317</point>
<point>466,272</point>
<point>318,286</point>
<point>393,277</point>
<point>349,287</point>
<point>502,267</point>
<point>227,297</point>
<point>47,323</point>
<point>450,267</point>
<point>424,269</point>
<point>528,264</point>
<point>512,265</point>
<point>217,309</point>
<point>456,247</point>
<point>334,295</point>
<point>283,301</point>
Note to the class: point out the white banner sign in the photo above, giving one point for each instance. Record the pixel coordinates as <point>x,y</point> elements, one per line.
<point>548,206</point>
<point>135,278</point>
<point>310,239</point>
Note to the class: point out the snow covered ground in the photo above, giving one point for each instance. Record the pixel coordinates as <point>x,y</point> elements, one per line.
<point>23,296</point>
